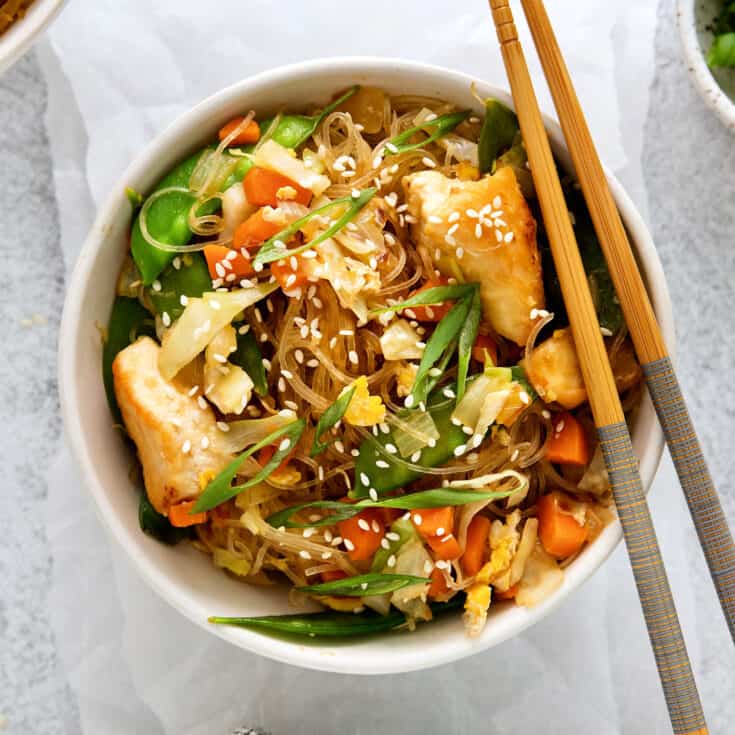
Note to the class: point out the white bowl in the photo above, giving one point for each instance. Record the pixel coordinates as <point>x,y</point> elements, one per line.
<point>185,577</point>
<point>717,87</point>
<point>19,37</point>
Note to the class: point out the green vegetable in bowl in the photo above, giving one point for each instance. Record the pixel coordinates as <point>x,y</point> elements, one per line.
<point>722,51</point>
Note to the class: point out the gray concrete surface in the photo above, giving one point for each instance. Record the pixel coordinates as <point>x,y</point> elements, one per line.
<point>689,161</point>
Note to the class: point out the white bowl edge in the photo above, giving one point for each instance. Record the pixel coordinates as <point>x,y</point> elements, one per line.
<point>704,80</point>
<point>23,33</point>
<point>196,595</point>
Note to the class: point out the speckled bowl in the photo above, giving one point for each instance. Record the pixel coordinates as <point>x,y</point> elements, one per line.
<point>717,87</point>
<point>181,575</point>
<point>21,35</point>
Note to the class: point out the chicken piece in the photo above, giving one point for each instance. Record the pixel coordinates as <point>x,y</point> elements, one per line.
<point>488,228</point>
<point>178,441</point>
<point>553,369</point>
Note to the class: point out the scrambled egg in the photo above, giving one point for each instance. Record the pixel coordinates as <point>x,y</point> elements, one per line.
<point>504,541</point>
<point>406,377</point>
<point>364,409</point>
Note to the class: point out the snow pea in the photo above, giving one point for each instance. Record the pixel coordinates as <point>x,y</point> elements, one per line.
<point>249,357</point>
<point>406,531</point>
<point>499,128</point>
<point>397,475</point>
<point>128,321</point>
<point>332,624</point>
<point>190,279</point>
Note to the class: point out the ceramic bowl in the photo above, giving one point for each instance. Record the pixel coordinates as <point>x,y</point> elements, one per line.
<point>19,37</point>
<point>181,575</point>
<point>716,86</point>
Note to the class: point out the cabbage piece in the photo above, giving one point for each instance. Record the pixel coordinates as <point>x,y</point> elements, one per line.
<point>541,578</point>
<point>201,320</point>
<point>413,559</point>
<point>250,431</point>
<point>379,603</point>
<point>235,209</point>
<point>595,479</point>
<point>470,408</point>
<point>400,341</point>
<point>414,431</point>
<point>228,386</point>
<point>275,157</point>
<point>235,564</point>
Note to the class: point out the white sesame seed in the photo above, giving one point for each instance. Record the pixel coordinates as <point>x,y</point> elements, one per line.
<point>408,402</point>
<point>363,524</point>
<point>497,202</point>
<point>514,456</point>
<point>364,479</point>
<point>446,538</point>
<point>156,285</point>
<point>375,526</point>
<point>222,426</point>
<point>183,299</point>
<point>355,452</point>
<point>320,473</point>
<point>336,541</point>
<point>391,448</point>
<point>605,332</point>
<point>428,162</point>
<point>391,147</point>
<point>304,554</point>
<point>417,519</point>
<point>267,364</point>
<point>291,404</point>
<point>441,564</point>
<point>186,447</point>
<point>192,391</point>
<point>391,561</point>
<point>468,430</point>
<point>416,456</point>
<point>349,545</point>
<point>373,493</point>
<point>353,357</point>
<point>313,363</point>
<point>299,356</point>
<point>455,421</point>
<point>326,554</point>
<point>560,427</point>
<point>328,535</point>
<point>459,253</point>
<point>546,414</point>
<point>478,230</point>
<point>460,450</point>
<point>202,402</point>
<point>449,393</point>
<point>284,445</point>
<point>308,532</point>
<point>428,567</point>
<point>384,543</point>
<point>440,531</point>
<point>382,464</point>
<point>524,397</point>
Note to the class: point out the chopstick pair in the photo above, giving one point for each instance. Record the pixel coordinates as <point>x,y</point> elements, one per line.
<point>678,683</point>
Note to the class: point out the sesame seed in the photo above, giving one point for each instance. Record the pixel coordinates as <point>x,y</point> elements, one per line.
<point>284,445</point>
<point>375,526</point>
<point>408,402</point>
<point>390,448</point>
<point>449,239</point>
<point>339,446</point>
<point>452,229</point>
<point>353,357</point>
<point>391,147</point>
<point>299,356</point>
<point>434,219</point>
<point>328,535</point>
<point>156,285</point>
<point>267,364</point>
<point>449,393</point>
<point>320,473</point>
<point>202,402</point>
<point>417,519</point>
<point>281,385</point>
<point>498,235</point>
<point>455,421</point>
<point>440,531</point>
<point>514,456</point>
<point>355,452</point>
<point>459,253</point>
<point>428,567</point>
<point>382,464</point>
<point>363,524</point>
<point>445,538</point>
<point>460,450</point>
<point>336,541</point>
<point>524,397</point>
<point>349,545</point>
<point>304,332</point>
<point>560,427</point>
<point>326,554</point>
<point>497,202</point>
<point>183,299</point>
<point>509,236</point>
<point>192,391</point>
<point>546,414</point>
<point>308,532</point>
<point>468,430</point>
<point>291,404</point>
<point>373,493</point>
<point>186,447</point>
<point>478,230</point>
<point>313,363</point>
<point>347,332</point>
<point>391,561</point>
<point>384,543</point>
<point>219,358</point>
<point>605,332</point>
<point>428,162</point>
<point>222,426</point>
<point>416,456</point>
<point>441,564</point>
<point>304,554</point>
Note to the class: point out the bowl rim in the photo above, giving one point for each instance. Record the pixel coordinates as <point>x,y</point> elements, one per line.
<point>704,80</point>
<point>23,33</point>
<point>273,648</point>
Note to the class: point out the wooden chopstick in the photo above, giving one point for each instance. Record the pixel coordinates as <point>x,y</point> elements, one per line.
<point>680,689</point>
<point>704,505</point>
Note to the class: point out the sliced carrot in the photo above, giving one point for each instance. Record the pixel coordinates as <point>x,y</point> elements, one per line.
<point>568,443</point>
<point>484,344</point>
<point>249,134</point>
<point>222,262</point>
<point>180,516</point>
<point>476,547</point>
<point>266,453</point>
<point>288,277</point>
<point>434,521</point>
<point>262,187</point>
<point>438,587</point>
<point>332,575</point>
<point>362,534</point>
<point>444,547</point>
<point>508,594</point>
<point>560,534</point>
<point>254,231</point>
<point>433,313</point>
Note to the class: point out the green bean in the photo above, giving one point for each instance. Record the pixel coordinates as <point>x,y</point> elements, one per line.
<point>190,279</point>
<point>128,321</point>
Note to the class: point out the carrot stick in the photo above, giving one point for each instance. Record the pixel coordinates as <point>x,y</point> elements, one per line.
<point>362,534</point>
<point>476,547</point>
<point>180,517</point>
<point>262,187</point>
<point>568,443</point>
<point>560,533</point>
<point>222,261</point>
<point>434,521</point>
<point>254,231</point>
<point>249,134</point>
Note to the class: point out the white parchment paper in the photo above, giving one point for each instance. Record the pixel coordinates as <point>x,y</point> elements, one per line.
<point>118,73</point>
